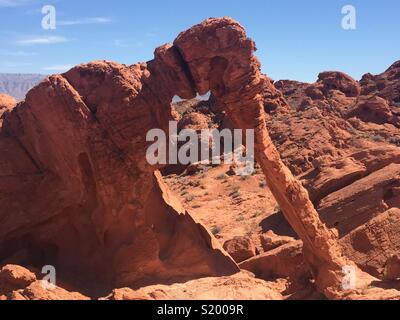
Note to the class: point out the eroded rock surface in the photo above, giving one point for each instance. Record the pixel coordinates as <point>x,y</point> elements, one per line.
<point>76,189</point>
<point>77,192</point>
<point>6,104</point>
<point>38,291</point>
<point>240,248</point>
<point>286,261</point>
<point>358,203</point>
<point>242,286</point>
<point>14,277</point>
<point>341,139</point>
<point>271,241</point>
<point>374,243</point>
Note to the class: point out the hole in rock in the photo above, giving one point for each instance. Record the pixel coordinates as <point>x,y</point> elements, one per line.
<point>204,97</point>
<point>200,113</point>
<point>198,185</point>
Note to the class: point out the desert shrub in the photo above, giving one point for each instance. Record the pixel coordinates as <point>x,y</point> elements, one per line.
<point>216,230</point>
<point>189,198</point>
<point>251,229</point>
<point>201,175</point>
<point>377,138</point>
<point>235,194</point>
<point>221,176</point>
<point>194,183</point>
<point>257,214</point>
<point>395,141</point>
<point>277,208</point>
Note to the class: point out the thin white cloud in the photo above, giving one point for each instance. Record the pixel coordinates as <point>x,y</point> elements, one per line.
<point>13,3</point>
<point>18,53</point>
<point>10,64</point>
<point>58,68</point>
<point>30,41</point>
<point>83,21</point>
<point>120,43</point>
<point>150,34</point>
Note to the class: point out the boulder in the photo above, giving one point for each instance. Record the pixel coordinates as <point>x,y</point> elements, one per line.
<point>334,173</point>
<point>240,248</point>
<point>242,286</point>
<point>314,91</point>
<point>375,244</point>
<point>6,104</point>
<point>13,277</point>
<point>359,202</point>
<point>40,290</point>
<point>286,261</point>
<point>334,80</point>
<point>270,240</point>
<point>392,268</point>
<point>385,85</point>
<point>194,121</point>
<point>372,109</point>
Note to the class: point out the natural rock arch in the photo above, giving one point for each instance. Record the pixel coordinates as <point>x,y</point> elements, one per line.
<point>76,191</point>
<point>232,73</point>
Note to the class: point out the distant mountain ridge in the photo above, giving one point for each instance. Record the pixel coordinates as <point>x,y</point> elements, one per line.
<point>17,85</point>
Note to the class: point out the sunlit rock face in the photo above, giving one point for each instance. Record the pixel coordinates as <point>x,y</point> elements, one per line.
<point>76,191</point>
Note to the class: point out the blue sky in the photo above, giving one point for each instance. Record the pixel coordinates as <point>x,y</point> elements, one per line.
<point>295,39</point>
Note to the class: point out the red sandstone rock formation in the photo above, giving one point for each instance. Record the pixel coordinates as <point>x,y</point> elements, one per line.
<point>236,81</point>
<point>6,104</point>
<point>18,283</point>
<point>358,203</point>
<point>373,244</point>
<point>14,278</point>
<point>81,195</point>
<point>240,248</point>
<point>385,85</point>
<point>371,109</point>
<point>392,268</point>
<point>241,286</point>
<point>271,241</point>
<point>340,145</point>
<point>338,81</point>
<point>38,291</point>
<point>76,190</point>
<point>286,261</point>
